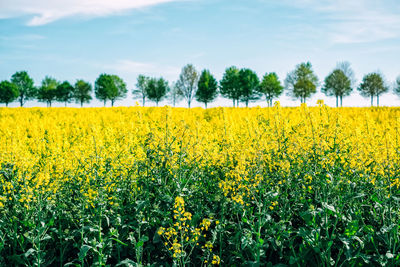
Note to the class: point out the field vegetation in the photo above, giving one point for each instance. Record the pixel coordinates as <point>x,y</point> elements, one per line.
<point>173,186</point>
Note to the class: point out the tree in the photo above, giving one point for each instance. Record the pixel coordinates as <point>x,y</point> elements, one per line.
<point>302,82</point>
<point>337,84</point>
<point>118,90</point>
<point>82,92</point>
<point>397,86</point>
<point>156,89</point>
<point>340,82</point>
<point>65,92</point>
<point>25,86</point>
<point>345,66</point>
<point>373,85</point>
<point>101,85</point>
<point>109,87</point>
<point>271,87</point>
<point>187,83</point>
<point>174,95</point>
<point>207,88</point>
<point>48,90</point>
<point>8,92</point>
<point>249,86</point>
<point>141,87</point>
<point>230,85</point>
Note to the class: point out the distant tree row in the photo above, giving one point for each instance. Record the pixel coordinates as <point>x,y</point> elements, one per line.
<point>244,85</point>
<point>239,85</point>
<point>21,88</point>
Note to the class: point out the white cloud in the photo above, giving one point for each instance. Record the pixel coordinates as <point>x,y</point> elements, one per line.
<point>46,11</point>
<point>356,21</point>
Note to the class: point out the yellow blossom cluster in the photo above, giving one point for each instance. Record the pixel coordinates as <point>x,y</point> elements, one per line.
<point>182,233</point>
<point>43,150</point>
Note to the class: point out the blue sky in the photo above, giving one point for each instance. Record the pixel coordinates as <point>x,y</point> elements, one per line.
<point>83,38</point>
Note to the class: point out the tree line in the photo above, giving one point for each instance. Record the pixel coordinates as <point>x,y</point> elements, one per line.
<point>239,85</point>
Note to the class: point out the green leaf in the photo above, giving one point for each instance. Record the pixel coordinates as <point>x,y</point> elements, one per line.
<point>84,250</point>
<point>29,252</point>
<point>139,244</point>
<point>144,238</point>
<point>351,229</point>
<point>329,207</point>
<point>119,241</point>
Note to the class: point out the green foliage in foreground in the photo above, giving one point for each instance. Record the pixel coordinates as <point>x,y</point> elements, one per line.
<point>304,210</point>
<point>332,224</point>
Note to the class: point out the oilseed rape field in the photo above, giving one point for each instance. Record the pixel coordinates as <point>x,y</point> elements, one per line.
<point>137,186</point>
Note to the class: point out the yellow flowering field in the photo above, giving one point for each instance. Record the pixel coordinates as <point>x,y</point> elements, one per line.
<point>169,186</point>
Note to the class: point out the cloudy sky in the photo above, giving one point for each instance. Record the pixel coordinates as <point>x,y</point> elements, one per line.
<point>83,38</point>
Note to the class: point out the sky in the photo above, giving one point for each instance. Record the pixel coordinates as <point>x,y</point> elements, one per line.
<point>80,39</point>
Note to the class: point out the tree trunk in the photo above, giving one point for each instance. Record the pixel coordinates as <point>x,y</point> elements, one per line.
<point>372,100</point>
<point>247,103</point>
<point>65,104</point>
<point>21,101</point>
<point>337,101</point>
<point>341,101</point>
<point>377,100</point>
<point>105,102</point>
<point>189,103</point>
<point>157,103</point>
<point>233,102</point>
<point>81,103</point>
<point>144,98</point>
<point>7,104</point>
<point>205,103</point>
<point>112,102</point>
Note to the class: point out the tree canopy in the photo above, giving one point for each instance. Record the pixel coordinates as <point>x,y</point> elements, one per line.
<point>271,87</point>
<point>337,84</point>
<point>25,86</point>
<point>65,92</point>
<point>48,90</point>
<point>187,83</point>
<point>397,86</point>
<point>156,89</point>
<point>8,92</point>
<point>174,95</point>
<point>141,85</point>
<point>230,84</point>
<point>207,88</point>
<point>302,82</point>
<point>249,86</point>
<point>373,85</point>
<point>109,87</point>
<point>82,92</point>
